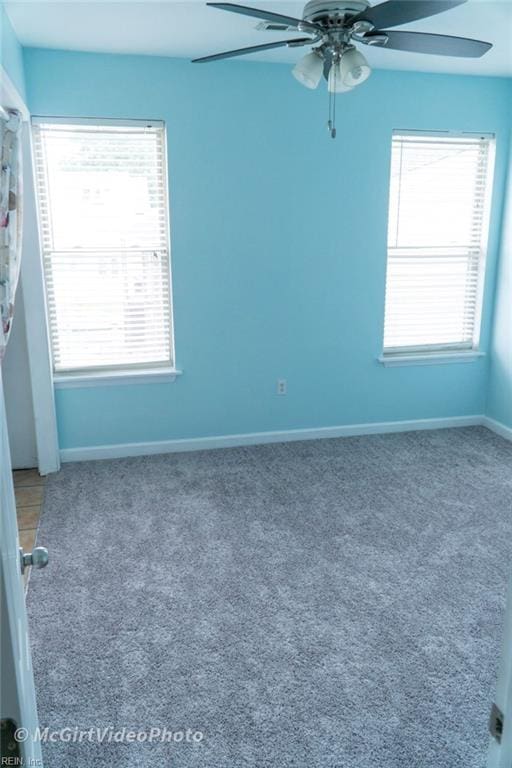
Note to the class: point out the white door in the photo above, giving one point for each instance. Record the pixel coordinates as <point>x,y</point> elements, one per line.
<point>500,749</point>
<point>17,697</point>
<point>18,392</point>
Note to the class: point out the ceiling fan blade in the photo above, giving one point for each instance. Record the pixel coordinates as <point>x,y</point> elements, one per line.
<point>396,12</point>
<point>253,49</point>
<point>276,18</point>
<point>440,45</point>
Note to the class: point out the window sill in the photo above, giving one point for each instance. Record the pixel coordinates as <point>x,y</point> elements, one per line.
<point>430,358</point>
<point>115,378</point>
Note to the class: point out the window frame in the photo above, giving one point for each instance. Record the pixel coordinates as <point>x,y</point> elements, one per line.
<point>155,372</point>
<point>464,351</point>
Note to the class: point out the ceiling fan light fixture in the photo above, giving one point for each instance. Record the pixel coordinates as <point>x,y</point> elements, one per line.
<point>354,68</point>
<point>308,71</point>
<point>333,26</point>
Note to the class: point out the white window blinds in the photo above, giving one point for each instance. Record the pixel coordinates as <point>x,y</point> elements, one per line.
<point>102,195</point>
<point>436,233</point>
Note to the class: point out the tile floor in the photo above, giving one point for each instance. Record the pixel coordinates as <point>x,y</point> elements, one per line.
<point>28,490</point>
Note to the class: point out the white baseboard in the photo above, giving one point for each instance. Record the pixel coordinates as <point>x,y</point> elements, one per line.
<point>498,427</point>
<point>118,451</point>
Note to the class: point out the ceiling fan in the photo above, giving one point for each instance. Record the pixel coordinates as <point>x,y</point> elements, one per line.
<point>333,26</point>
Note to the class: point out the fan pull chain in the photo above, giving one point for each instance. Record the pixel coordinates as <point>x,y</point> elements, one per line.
<point>331,123</point>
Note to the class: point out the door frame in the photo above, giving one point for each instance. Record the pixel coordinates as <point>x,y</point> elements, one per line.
<point>32,281</point>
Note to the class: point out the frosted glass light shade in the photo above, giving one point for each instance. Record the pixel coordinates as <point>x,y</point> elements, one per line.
<point>335,82</point>
<point>354,68</point>
<point>308,70</point>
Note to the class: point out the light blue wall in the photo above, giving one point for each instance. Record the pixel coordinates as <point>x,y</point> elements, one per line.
<point>11,53</point>
<point>278,243</point>
<point>500,381</point>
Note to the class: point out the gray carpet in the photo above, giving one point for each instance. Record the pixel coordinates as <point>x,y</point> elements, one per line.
<point>327,604</point>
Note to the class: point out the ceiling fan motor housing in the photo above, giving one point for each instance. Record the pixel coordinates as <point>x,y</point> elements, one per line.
<point>333,13</point>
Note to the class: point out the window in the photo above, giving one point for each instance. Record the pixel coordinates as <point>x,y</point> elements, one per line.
<point>436,241</point>
<point>102,195</point>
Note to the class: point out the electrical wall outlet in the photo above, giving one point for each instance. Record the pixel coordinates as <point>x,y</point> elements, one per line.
<point>282,387</point>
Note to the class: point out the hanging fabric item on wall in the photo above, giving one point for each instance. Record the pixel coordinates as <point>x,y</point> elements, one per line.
<point>10,218</point>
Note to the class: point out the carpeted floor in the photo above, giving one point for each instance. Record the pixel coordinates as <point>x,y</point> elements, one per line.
<point>328,604</point>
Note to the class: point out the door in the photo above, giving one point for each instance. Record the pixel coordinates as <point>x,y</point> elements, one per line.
<point>500,748</point>
<point>17,694</point>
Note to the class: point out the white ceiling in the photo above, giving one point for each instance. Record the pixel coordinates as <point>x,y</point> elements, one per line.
<point>190,29</point>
